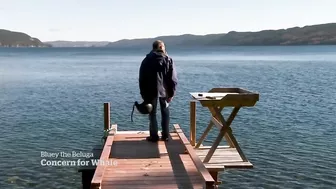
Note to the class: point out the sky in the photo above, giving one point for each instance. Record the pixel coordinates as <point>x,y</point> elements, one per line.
<point>111,20</point>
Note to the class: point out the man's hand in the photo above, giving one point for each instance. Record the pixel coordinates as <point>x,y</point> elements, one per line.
<point>169,99</point>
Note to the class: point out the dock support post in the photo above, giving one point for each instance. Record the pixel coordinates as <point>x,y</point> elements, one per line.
<point>193,123</point>
<point>107,116</point>
<point>214,175</point>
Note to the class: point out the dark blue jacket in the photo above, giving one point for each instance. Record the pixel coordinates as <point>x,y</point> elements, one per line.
<point>157,76</point>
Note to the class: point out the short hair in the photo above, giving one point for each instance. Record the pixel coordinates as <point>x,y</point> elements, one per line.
<point>157,44</point>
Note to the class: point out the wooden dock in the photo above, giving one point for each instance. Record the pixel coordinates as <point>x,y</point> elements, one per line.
<point>137,163</point>
<point>127,160</point>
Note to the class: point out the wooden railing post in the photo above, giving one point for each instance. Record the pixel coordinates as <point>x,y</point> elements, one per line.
<point>107,116</point>
<point>193,123</point>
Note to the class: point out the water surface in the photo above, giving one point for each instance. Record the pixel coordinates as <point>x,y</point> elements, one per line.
<point>52,100</point>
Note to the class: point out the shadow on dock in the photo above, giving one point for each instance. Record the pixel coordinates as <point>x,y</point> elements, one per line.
<point>133,148</point>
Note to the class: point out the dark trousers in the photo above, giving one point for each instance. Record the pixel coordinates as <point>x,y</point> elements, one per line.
<point>153,124</point>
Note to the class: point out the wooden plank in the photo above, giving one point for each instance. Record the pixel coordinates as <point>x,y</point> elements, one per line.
<point>154,179</point>
<point>219,152</point>
<point>226,157</point>
<point>99,173</point>
<point>208,147</point>
<point>131,174</point>
<point>151,161</point>
<point>161,179</point>
<point>150,182</point>
<point>120,133</point>
<point>164,164</point>
<point>224,160</point>
<point>232,165</point>
<point>130,167</point>
<point>229,101</point>
<point>153,173</point>
<point>152,166</point>
<point>215,168</point>
<point>154,186</point>
<point>193,123</point>
<point>209,181</point>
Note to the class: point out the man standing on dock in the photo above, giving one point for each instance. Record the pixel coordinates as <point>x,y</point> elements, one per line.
<point>157,82</point>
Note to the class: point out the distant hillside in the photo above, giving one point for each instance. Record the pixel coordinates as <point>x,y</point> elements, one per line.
<point>77,43</point>
<point>323,34</point>
<point>18,39</point>
<point>180,40</point>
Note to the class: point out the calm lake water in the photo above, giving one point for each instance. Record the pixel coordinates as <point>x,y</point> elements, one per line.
<point>52,100</point>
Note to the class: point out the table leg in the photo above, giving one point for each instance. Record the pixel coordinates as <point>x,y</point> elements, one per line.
<point>207,130</point>
<point>228,132</point>
<point>224,131</point>
<point>216,113</point>
<point>193,123</point>
<point>215,145</point>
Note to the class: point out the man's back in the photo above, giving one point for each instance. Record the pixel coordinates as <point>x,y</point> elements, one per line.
<point>157,76</point>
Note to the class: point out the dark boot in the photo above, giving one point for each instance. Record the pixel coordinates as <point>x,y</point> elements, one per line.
<point>152,139</point>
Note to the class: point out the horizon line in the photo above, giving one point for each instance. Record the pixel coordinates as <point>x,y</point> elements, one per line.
<point>176,35</point>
